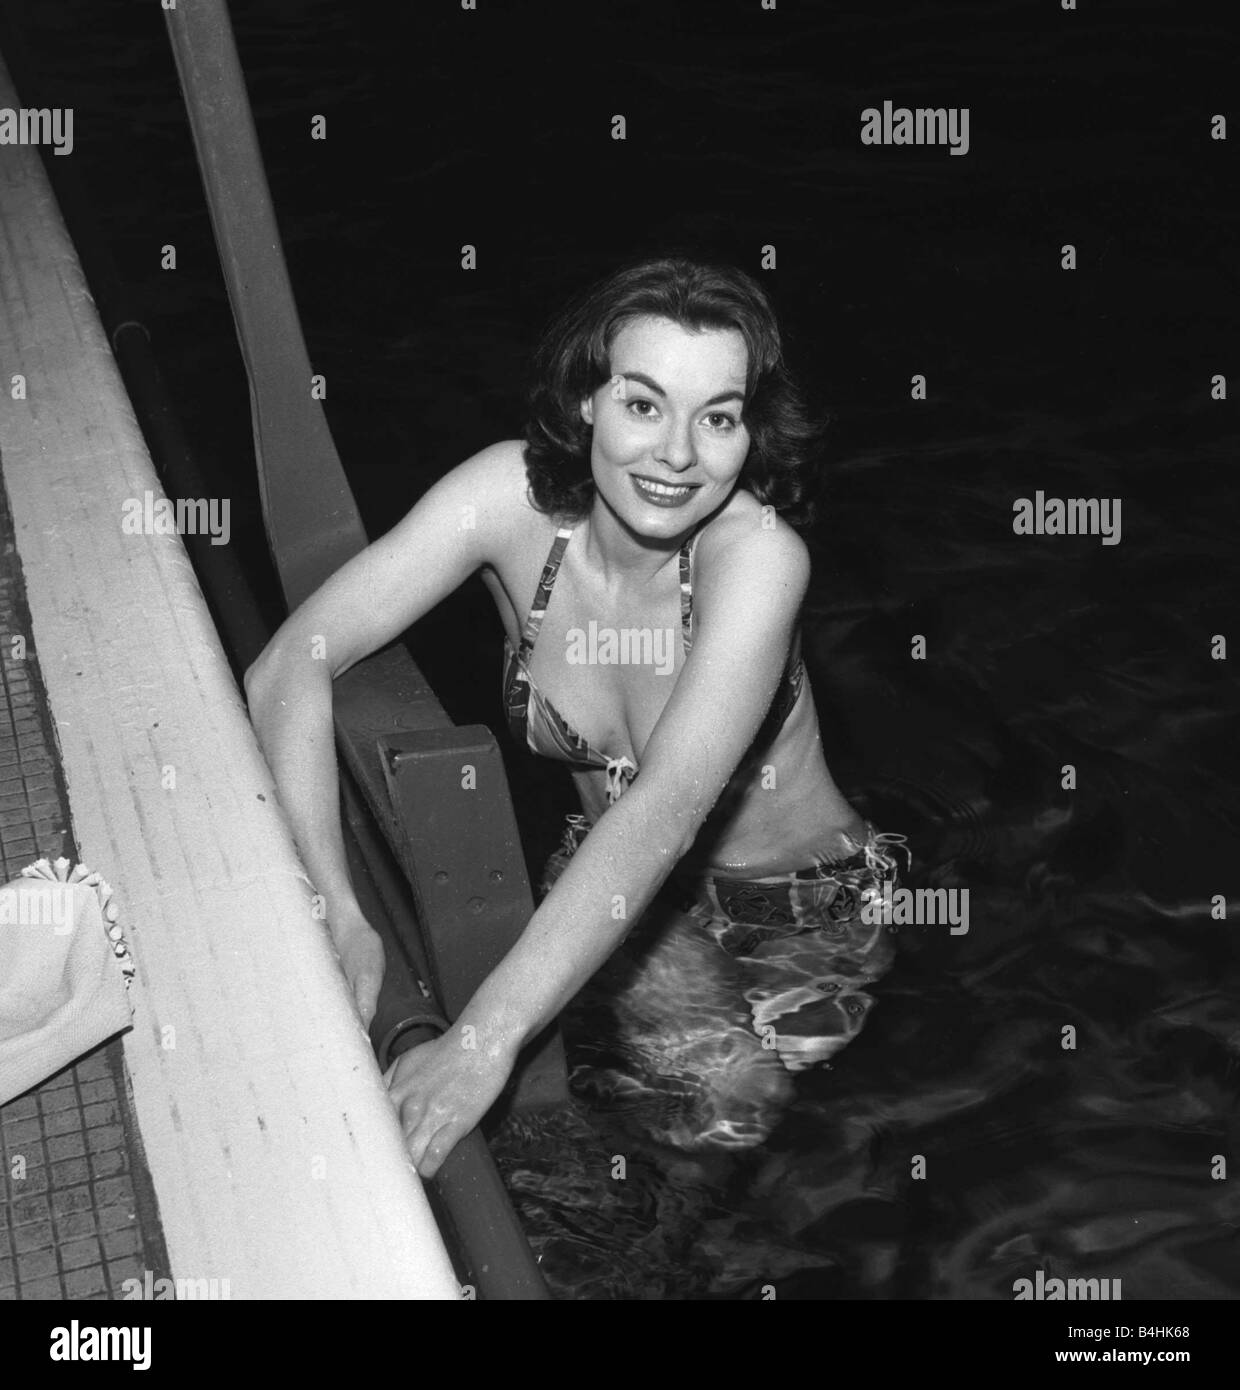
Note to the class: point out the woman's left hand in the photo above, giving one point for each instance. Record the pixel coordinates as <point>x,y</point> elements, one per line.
<point>441,1090</point>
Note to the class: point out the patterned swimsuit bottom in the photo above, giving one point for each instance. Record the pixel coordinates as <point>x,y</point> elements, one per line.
<point>726,986</point>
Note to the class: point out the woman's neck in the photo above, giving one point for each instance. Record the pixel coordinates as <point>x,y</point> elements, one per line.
<point>618,554</point>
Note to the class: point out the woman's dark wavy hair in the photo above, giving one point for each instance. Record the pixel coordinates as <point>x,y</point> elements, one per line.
<point>572,362</point>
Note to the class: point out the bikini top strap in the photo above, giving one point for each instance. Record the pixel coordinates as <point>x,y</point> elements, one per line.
<point>551,570</point>
<point>686,608</point>
<point>542,595</point>
<point>686,592</point>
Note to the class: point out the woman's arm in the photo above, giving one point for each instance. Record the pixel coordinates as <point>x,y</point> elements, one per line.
<point>453,530</point>
<point>750,586</point>
<point>291,709</point>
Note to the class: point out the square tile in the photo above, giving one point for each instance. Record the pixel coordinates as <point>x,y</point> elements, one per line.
<point>66,1146</point>
<point>85,1283</point>
<point>114,1190</point>
<point>94,1067</point>
<point>75,1224</point>
<point>19,1132</point>
<point>36,1179</point>
<point>42,1290</point>
<point>115,1218</point>
<point>102,1113</point>
<point>124,1242</point>
<point>29,1208</point>
<point>62,1121</point>
<point>34,1156</point>
<point>70,1199</point>
<point>76,1253</point>
<point>36,1264</point>
<point>59,1098</point>
<point>129,1267</point>
<point>108,1163</point>
<point>37,1235</point>
<point>108,1137</point>
<point>69,1171</point>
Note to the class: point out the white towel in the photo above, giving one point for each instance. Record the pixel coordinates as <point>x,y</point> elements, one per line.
<point>64,972</point>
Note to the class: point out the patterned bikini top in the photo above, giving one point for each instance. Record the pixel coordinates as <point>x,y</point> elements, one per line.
<point>536,722</point>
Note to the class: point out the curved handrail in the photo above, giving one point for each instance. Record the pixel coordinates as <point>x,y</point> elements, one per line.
<point>313,525</point>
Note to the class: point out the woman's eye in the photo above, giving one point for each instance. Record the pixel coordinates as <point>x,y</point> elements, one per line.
<point>718,420</point>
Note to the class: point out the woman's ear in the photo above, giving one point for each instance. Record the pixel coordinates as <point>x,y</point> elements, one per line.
<point>587,409</point>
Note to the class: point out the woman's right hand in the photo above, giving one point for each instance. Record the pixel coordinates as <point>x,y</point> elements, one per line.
<point>361,954</point>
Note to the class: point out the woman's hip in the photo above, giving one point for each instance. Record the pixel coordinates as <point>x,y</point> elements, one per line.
<point>836,900</point>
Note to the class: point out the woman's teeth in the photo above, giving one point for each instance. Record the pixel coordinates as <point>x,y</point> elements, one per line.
<point>662,490</point>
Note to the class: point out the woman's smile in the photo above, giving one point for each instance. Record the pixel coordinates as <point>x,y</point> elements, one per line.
<point>662,494</point>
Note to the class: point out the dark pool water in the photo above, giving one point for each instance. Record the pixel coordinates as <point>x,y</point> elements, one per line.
<point>1090,908</point>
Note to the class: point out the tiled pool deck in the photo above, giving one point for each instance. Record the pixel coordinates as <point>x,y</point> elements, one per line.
<point>77,1210</point>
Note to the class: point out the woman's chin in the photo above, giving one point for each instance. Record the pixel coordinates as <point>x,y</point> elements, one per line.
<point>663,526</point>
<point>653,521</point>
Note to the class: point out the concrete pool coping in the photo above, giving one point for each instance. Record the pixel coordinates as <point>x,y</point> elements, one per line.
<point>276,1157</point>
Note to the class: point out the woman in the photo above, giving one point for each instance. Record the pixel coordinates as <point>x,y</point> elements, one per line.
<point>648,512</point>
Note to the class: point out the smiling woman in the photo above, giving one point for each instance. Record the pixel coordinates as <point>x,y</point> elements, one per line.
<point>575,358</point>
<point>705,908</point>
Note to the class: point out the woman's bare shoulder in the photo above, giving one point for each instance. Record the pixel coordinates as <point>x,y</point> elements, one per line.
<point>492,488</point>
<point>751,571</point>
<point>747,533</point>
<point>497,473</point>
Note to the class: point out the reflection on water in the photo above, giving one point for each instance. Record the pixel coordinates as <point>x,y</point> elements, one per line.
<point>1090,908</point>
<point>1094,1161</point>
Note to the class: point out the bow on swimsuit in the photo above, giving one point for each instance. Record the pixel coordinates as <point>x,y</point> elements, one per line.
<point>535,721</point>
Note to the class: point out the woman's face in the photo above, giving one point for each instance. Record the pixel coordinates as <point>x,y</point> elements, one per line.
<point>668,441</point>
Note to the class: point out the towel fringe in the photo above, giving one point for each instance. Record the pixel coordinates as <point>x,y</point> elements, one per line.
<point>65,871</point>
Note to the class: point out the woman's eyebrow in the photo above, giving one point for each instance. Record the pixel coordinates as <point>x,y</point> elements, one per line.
<point>652,385</point>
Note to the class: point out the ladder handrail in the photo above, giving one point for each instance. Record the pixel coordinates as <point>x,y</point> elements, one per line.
<point>313,525</point>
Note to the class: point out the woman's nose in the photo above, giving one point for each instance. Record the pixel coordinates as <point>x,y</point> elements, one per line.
<point>676,447</point>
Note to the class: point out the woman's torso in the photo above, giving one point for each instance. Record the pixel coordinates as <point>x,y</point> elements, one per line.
<point>781,807</point>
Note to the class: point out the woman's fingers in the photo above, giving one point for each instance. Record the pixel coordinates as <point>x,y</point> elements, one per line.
<point>431,1144</point>
<point>369,980</point>
<point>420,1126</point>
<point>441,1093</point>
<point>410,1116</point>
<point>362,955</point>
<point>404,1068</point>
<point>431,1131</point>
<point>366,993</point>
<point>412,1109</point>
